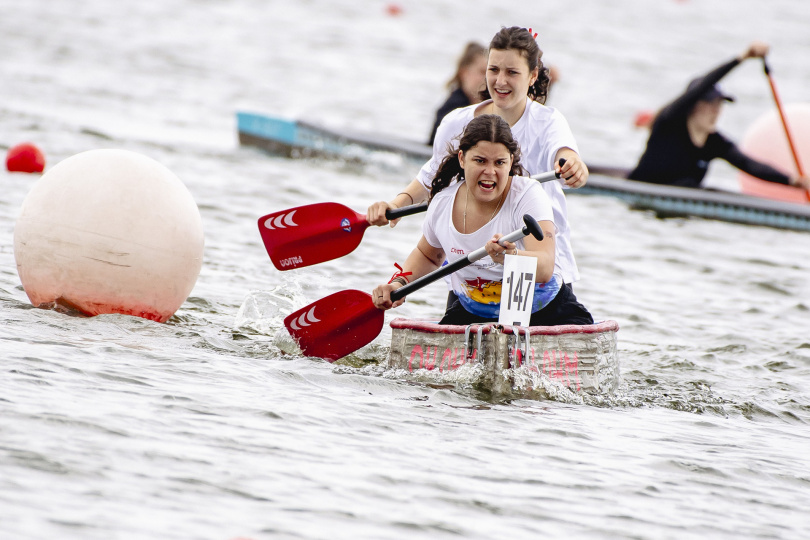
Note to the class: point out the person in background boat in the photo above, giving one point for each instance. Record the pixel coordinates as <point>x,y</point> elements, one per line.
<point>517,86</point>
<point>684,138</point>
<point>466,85</point>
<point>478,193</point>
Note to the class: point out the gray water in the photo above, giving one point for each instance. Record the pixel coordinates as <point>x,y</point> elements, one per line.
<point>209,427</point>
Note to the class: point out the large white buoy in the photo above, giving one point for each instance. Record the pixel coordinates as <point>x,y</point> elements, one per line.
<point>766,141</point>
<point>109,231</point>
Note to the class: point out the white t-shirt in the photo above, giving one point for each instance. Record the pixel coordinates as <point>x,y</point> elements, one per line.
<point>478,286</point>
<point>540,132</point>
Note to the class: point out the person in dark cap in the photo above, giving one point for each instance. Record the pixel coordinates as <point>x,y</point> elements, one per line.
<point>684,137</point>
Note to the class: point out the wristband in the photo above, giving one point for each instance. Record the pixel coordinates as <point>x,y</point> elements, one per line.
<point>400,275</point>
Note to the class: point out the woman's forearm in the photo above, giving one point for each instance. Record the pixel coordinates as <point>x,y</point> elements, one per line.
<point>420,263</point>
<point>414,193</point>
<point>544,269</point>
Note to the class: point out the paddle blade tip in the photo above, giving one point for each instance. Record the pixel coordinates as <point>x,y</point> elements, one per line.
<point>335,326</point>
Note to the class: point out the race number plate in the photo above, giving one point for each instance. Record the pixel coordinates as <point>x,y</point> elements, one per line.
<point>517,292</point>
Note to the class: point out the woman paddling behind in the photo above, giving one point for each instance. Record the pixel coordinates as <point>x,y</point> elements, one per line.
<point>517,85</point>
<point>475,195</point>
<point>468,85</point>
<point>684,137</point>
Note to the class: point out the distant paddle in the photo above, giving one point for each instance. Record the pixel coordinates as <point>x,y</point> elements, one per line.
<point>316,233</point>
<point>784,120</point>
<point>341,323</point>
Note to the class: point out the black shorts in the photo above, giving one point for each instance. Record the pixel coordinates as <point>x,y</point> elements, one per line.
<point>564,309</point>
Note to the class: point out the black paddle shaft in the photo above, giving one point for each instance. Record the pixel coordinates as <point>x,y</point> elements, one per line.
<point>394,213</point>
<point>531,228</point>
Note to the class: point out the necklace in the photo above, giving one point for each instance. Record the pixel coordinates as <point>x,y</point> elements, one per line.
<point>467,200</point>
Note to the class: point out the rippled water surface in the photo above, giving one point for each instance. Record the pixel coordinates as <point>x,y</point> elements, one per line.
<point>210,426</point>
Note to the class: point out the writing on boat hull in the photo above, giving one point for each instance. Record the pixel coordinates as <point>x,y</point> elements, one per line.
<point>558,365</point>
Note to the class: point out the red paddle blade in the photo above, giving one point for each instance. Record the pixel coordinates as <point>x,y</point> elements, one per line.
<point>337,325</point>
<point>311,234</point>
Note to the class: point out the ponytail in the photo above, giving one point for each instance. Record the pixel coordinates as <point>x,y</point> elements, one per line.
<point>449,170</point>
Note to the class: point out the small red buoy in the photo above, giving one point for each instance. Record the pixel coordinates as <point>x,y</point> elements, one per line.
<point>393,9</point>
<point>643,119</point>
<point>25,157</point>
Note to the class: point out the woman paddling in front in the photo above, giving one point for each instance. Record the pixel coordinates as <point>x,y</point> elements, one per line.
<point>517,86</point>
<point>476,194</point>
<point>684,137</point>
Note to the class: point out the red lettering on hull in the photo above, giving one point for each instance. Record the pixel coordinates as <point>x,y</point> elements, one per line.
<point>557,365</point>
<point>451,359</point>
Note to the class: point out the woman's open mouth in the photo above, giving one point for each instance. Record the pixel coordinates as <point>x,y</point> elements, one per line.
<point>487,186</point>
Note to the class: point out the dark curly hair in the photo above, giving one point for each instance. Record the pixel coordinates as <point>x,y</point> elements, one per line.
<point>520,39</point>
<point>487,127</point>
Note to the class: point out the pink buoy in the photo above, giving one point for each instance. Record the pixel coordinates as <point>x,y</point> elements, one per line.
<point>109,231</point>
<point>25,157</point>
<point>765,141</point>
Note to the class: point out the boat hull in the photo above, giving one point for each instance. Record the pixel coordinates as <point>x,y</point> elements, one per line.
<point>296,138</point>
<point>674,201</point>
<point>489,357</point>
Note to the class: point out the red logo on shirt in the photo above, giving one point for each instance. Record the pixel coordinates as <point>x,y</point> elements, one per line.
<point>477,284</point>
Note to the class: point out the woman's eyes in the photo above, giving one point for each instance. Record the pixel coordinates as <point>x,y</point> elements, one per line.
<point>509,71</point>
<point>499,163</point>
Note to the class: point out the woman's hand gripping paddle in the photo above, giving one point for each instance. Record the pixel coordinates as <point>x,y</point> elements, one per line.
<point>317,233</point>
<point>341,323</point>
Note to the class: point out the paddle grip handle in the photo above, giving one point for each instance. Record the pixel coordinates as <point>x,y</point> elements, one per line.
<point>561,162</point>
<point>394,213</point>
<point>550,175</point>
<point>531,227</point>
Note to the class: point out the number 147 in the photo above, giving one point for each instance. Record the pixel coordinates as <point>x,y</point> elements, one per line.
<point>519,287</point>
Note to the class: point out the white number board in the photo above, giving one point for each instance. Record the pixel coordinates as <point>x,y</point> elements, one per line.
<point>517,290</point>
